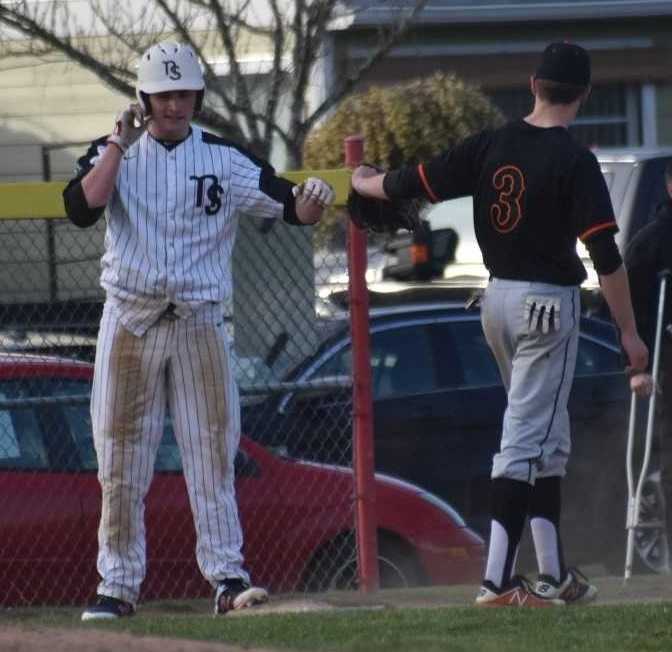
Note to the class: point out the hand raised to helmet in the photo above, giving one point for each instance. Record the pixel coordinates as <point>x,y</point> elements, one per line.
<point>129,126</point>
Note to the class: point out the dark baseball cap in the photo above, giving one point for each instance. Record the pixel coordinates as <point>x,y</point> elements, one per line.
<point>566,63</point>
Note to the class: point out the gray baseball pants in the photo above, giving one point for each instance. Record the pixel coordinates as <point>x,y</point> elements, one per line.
<point>532,330</point>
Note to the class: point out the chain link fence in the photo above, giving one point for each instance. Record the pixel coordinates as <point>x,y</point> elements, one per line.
<point>298,518</point>
<point>295,482</point>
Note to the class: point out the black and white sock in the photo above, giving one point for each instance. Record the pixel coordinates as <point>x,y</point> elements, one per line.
<point>509,506</point>
<point>545,507</point>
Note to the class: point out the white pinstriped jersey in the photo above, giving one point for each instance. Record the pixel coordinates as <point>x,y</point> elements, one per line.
<point>172,221</point>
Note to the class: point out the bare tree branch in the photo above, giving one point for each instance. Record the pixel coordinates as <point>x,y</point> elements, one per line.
<point>33,51</point>
<point>390,40</point>
<point>27,25</point>
<point>185,34</point>
<point>238,21</point>
<point>242,96</point>
<point>122,34</point>
<point>301,71</point>
<point>252,109</point>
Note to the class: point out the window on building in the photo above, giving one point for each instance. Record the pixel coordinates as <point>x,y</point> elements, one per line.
<point>610,118</point>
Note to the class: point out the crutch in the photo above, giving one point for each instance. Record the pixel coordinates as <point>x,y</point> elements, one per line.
<point>635,494</point>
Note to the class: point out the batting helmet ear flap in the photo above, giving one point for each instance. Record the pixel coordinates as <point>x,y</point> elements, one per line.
<point>145,104</point>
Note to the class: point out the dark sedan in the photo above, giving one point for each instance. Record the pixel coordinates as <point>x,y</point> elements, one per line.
<point>438,405</point>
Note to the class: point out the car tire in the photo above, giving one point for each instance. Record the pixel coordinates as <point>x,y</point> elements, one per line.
<point>398,565</point>
<point>334,568</point>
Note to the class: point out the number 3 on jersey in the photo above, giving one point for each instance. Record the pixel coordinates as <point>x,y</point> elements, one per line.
<point>507,211</point>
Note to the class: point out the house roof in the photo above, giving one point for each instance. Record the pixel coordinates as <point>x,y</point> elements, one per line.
<point>365,13</point>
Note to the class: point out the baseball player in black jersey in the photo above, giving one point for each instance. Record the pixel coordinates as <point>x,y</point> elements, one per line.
<point>647,255</point>
<point>172,195</point>
<point>535,191</point>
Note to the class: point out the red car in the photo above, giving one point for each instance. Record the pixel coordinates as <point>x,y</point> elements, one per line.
<point>298,517</point>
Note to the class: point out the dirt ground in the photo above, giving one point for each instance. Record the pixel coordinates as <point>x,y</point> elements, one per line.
<point>24,638</point>
<point>20,639</point>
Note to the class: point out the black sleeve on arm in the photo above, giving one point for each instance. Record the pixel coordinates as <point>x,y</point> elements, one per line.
<point>454,173</point>
<point>76,208</point>
<point>604,252</point>
<point>591,211</point>
<point>404,183</point>
<point>281,190</point>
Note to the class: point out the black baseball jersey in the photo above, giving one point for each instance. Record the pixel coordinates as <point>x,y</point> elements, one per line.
<point>647,254</point>
<point>535,192</point>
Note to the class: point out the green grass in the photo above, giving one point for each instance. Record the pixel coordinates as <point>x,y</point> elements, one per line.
<point>611,628</point>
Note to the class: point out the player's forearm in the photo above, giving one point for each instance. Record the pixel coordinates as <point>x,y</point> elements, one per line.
<point>616,291</point>
<point>402,183</point>
<point>369,183</point>
<point>98,184</point>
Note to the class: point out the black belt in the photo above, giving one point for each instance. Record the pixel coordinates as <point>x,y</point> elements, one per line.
<point>169,313</point>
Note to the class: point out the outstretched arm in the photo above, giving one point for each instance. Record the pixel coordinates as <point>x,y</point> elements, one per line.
<point>368,181</point>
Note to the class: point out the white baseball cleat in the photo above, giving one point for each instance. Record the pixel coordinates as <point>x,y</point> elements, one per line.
<point>574,589</point>
<point>234,594</point>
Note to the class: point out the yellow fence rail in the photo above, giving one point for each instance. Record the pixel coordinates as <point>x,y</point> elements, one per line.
<point>43,200</point>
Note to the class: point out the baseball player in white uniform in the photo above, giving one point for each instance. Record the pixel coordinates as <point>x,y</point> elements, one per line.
<point>172,195</point>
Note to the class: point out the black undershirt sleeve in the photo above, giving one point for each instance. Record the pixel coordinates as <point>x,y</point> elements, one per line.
<point>289,213</point>
<point>281,190</point>
<point>403,183</point>
<point>77,209</point>
<point>604,252</point>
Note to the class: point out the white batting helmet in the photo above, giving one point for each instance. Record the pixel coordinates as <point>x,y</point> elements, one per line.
<point>168,66</point>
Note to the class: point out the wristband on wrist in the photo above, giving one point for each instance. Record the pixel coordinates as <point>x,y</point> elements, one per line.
<point>115,140</point>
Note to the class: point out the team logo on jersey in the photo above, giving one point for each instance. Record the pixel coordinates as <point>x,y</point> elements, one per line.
<point>172,70</point>
<point>213,192</point>
<point>509,183</point>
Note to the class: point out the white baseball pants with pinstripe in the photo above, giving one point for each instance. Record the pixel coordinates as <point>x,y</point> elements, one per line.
<point>536,355</point>
<point>184,364</point>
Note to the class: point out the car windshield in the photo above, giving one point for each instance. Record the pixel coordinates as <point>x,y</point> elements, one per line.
<point>32,413</point>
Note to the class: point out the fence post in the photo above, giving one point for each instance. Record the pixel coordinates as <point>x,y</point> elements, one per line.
<point>51,237</point>
<point>362,415</point>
